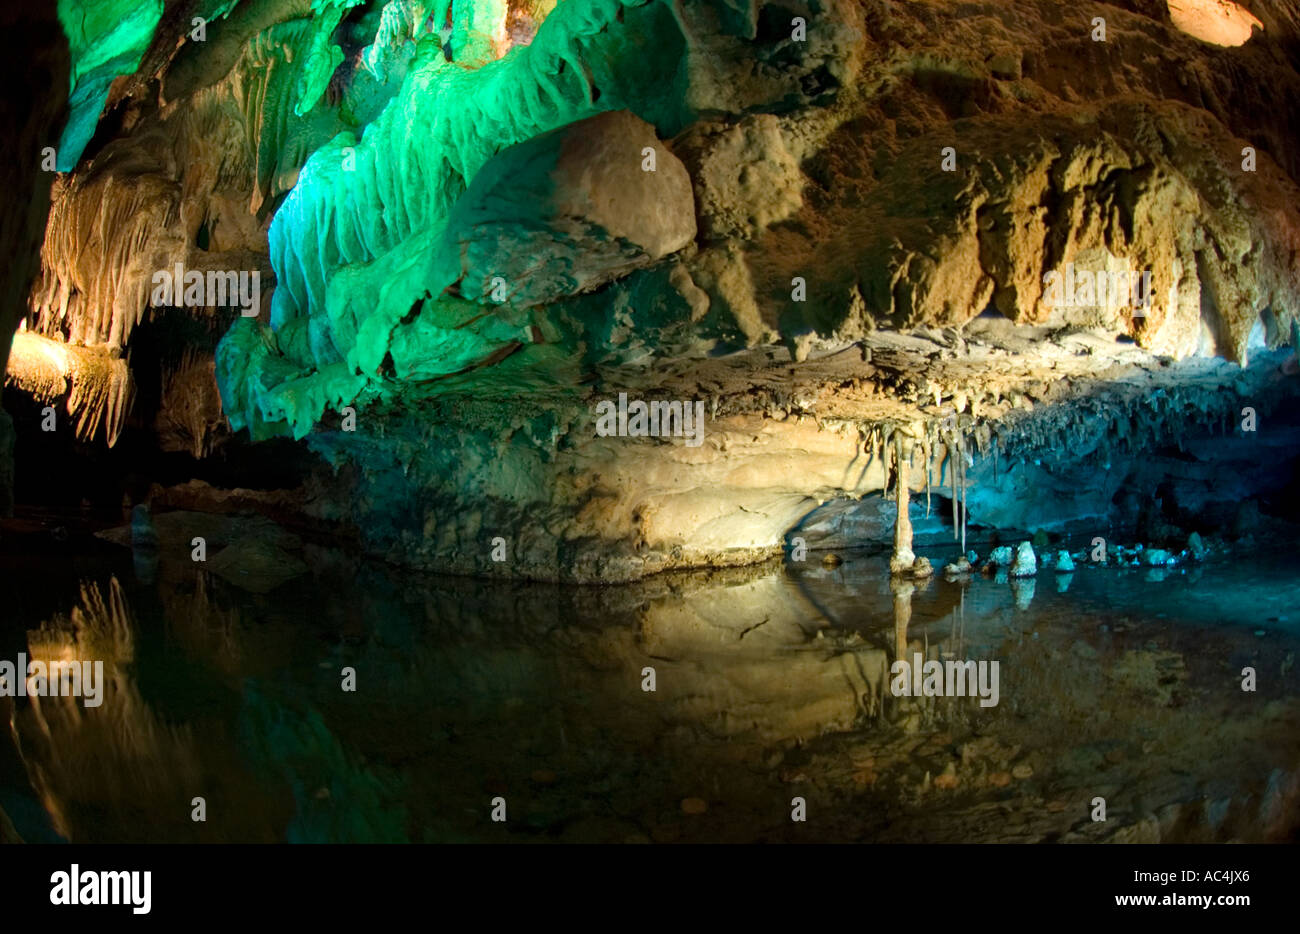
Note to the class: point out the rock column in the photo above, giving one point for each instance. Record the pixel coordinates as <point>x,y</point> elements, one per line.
<point>902,560</point>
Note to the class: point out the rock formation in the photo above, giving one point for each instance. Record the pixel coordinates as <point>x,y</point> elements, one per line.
<point>1024,243</point>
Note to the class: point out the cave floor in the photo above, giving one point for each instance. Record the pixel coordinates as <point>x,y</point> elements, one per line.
<point>770,685</point>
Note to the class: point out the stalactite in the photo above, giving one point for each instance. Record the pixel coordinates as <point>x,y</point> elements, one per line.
<point>952,480</point>
<point>925,452</point>
<point>461,119</point>
<point>887,454</point>
<point>961,460</point>
<point>96,385</point>
<point>136,208</point>
<point>101,240</point>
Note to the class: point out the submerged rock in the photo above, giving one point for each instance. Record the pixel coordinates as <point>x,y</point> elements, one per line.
<point>256,564</point>
<point>252,553</point>
<point>1001,556</point>
<point>694,806</point>
<point>1247,519</point>
<point>1026,564</point>
<point>961,566</point>
<point>1156,557</point>
<point>144,537</point>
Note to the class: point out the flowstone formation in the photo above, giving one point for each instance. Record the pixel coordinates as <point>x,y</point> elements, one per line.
<point>996,254</point>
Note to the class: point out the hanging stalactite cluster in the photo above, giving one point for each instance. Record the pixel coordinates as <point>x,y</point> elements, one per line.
<point>944,448</point>
<point>173,193</point>
<point>107,233</point>
<point>94,384</point>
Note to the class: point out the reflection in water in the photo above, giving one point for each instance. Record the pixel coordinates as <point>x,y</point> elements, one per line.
<point>83,759</point>
<point>769,682</point>
<point>1022,588</point>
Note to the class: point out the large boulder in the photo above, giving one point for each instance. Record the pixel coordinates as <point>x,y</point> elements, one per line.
<point>568,211</point>
<point>746,177</point>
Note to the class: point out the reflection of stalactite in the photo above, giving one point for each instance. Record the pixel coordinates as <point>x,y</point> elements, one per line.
<point>298,748</point>
<point>204,626</point>
<point>906,710</point>
<point>7,832</point>
<point>958,639</point>
<point>117,758</point>
<point>99,626</point>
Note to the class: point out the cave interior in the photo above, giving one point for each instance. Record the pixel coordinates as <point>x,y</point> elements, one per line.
<point>631,387</point>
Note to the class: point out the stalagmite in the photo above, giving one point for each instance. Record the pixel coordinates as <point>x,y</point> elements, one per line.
<point>903,558</point>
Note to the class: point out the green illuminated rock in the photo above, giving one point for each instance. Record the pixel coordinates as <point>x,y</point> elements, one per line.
<point>363,239</point>
<point>105,40</point>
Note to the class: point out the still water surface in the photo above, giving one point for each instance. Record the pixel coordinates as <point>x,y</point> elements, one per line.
<point>770,685</point>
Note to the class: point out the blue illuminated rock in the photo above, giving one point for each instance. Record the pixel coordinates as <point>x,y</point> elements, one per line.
<point>1026,565</point>
<point>1156,557</point>
<point>1001,556</point>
